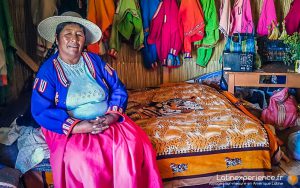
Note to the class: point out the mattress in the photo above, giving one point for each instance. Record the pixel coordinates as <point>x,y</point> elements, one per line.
<point>200,137</point>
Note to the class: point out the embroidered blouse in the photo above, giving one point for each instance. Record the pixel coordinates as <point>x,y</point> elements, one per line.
<point>50,90</point>
<point>86,100</point>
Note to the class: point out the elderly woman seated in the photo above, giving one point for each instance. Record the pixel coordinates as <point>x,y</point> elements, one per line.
<point>79,101</point>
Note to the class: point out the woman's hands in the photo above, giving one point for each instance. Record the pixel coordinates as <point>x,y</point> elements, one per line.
<point>96,126</point>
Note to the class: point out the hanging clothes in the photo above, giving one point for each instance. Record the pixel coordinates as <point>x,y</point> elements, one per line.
<point>149,52</point>
<point>8,43</point>
<point>225,17</point>
<point>127,23</point>
<point>191,24</point>
<point>205,46</point>
<point>101,12</point>
<point>292,19</point>
<point>3,69</point>
<point>164,32</point>
<point>41,9</point>
<point>242,17</point>
<point>267,15</point>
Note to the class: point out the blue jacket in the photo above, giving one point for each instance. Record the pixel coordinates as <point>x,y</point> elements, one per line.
<point>48,101</point>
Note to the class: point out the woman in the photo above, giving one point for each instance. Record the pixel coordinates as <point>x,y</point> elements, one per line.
<point>79,101</point>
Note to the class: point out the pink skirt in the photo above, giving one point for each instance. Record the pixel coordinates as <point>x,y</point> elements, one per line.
<point>122,156</point>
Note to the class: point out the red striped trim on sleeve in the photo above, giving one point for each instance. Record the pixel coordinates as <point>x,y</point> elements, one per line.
<point>89,64</point>
<point>115,109</point>
<point>36,80</point>
<point>68,125</point>
<point>109,69</point>
<point>60,74</point>
<point>43,86</point>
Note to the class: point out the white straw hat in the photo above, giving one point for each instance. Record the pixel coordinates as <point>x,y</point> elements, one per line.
<point>47,27</point>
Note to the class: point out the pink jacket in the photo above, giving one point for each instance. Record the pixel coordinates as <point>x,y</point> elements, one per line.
<point>267,15</point>
<point>242,17</point>
<point>292,20</point>
<point>164,30</point>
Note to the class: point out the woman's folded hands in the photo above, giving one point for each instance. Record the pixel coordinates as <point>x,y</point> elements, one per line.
<point>96,126</point>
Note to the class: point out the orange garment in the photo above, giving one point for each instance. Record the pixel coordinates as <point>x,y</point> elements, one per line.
<point>191,23</point>
<point>101,12</point>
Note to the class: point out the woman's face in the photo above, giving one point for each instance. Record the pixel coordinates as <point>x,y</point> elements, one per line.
<point>71,41</point>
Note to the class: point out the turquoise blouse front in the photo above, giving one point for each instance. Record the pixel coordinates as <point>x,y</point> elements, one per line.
<point>86,99</point>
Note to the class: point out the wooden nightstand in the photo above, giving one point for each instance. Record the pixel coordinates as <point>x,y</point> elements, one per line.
<point>254,79</point>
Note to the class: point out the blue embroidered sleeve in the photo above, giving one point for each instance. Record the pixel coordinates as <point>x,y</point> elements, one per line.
<point>43,107</point>
<point>117,101</point>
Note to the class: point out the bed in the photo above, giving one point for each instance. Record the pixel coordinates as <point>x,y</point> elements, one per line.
<point>200,137</point>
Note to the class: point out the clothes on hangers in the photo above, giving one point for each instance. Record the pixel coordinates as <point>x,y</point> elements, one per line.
<point>8,44</point>
<point>211,37</point>
<point>101,12</point>
<point>267,15</point>
<point>3,69</point>
<point>127,23</point>
<point>225,17</point>
<point>292,19</point>
<point>149,52</point>
<point>191,24</point>
<point>242,17</point>
<point>164,32</point>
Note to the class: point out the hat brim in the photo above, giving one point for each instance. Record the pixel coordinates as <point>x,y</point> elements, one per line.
<point>47,28</point>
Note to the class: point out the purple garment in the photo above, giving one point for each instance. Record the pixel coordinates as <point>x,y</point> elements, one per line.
<point>267,15</point>
<point>292,19</point>
<point>242,17</point>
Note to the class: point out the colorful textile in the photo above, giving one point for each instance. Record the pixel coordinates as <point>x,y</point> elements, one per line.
<point>122,156</point>
<point>40,10</point>
<point>267,15</point>
<point>225,17</point>
<point>282,111</point>
<point>127,22</point>
<point>242,17</point>
<point>204,51</point>
<point>51,76</point>
<point>164,32</point>
<point>292,19</point>
<point>191,24</point>
<point>198,134</point>
<point>101,12</point>
<point>149,52</point>
<point>3,69</point>
<point>9,45</point>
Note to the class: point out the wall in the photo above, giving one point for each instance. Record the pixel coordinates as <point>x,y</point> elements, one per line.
<point>129,63</point>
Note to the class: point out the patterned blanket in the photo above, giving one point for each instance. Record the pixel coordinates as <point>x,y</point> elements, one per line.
<point>198,134</point>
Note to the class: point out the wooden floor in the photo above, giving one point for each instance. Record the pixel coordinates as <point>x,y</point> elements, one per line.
<point>290,168</point>
<point>293,166</point>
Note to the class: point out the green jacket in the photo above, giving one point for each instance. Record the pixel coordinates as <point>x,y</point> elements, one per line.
<point>127,22</point>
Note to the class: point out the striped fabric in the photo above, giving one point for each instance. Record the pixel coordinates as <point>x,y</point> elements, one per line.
<point>240,43</point>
